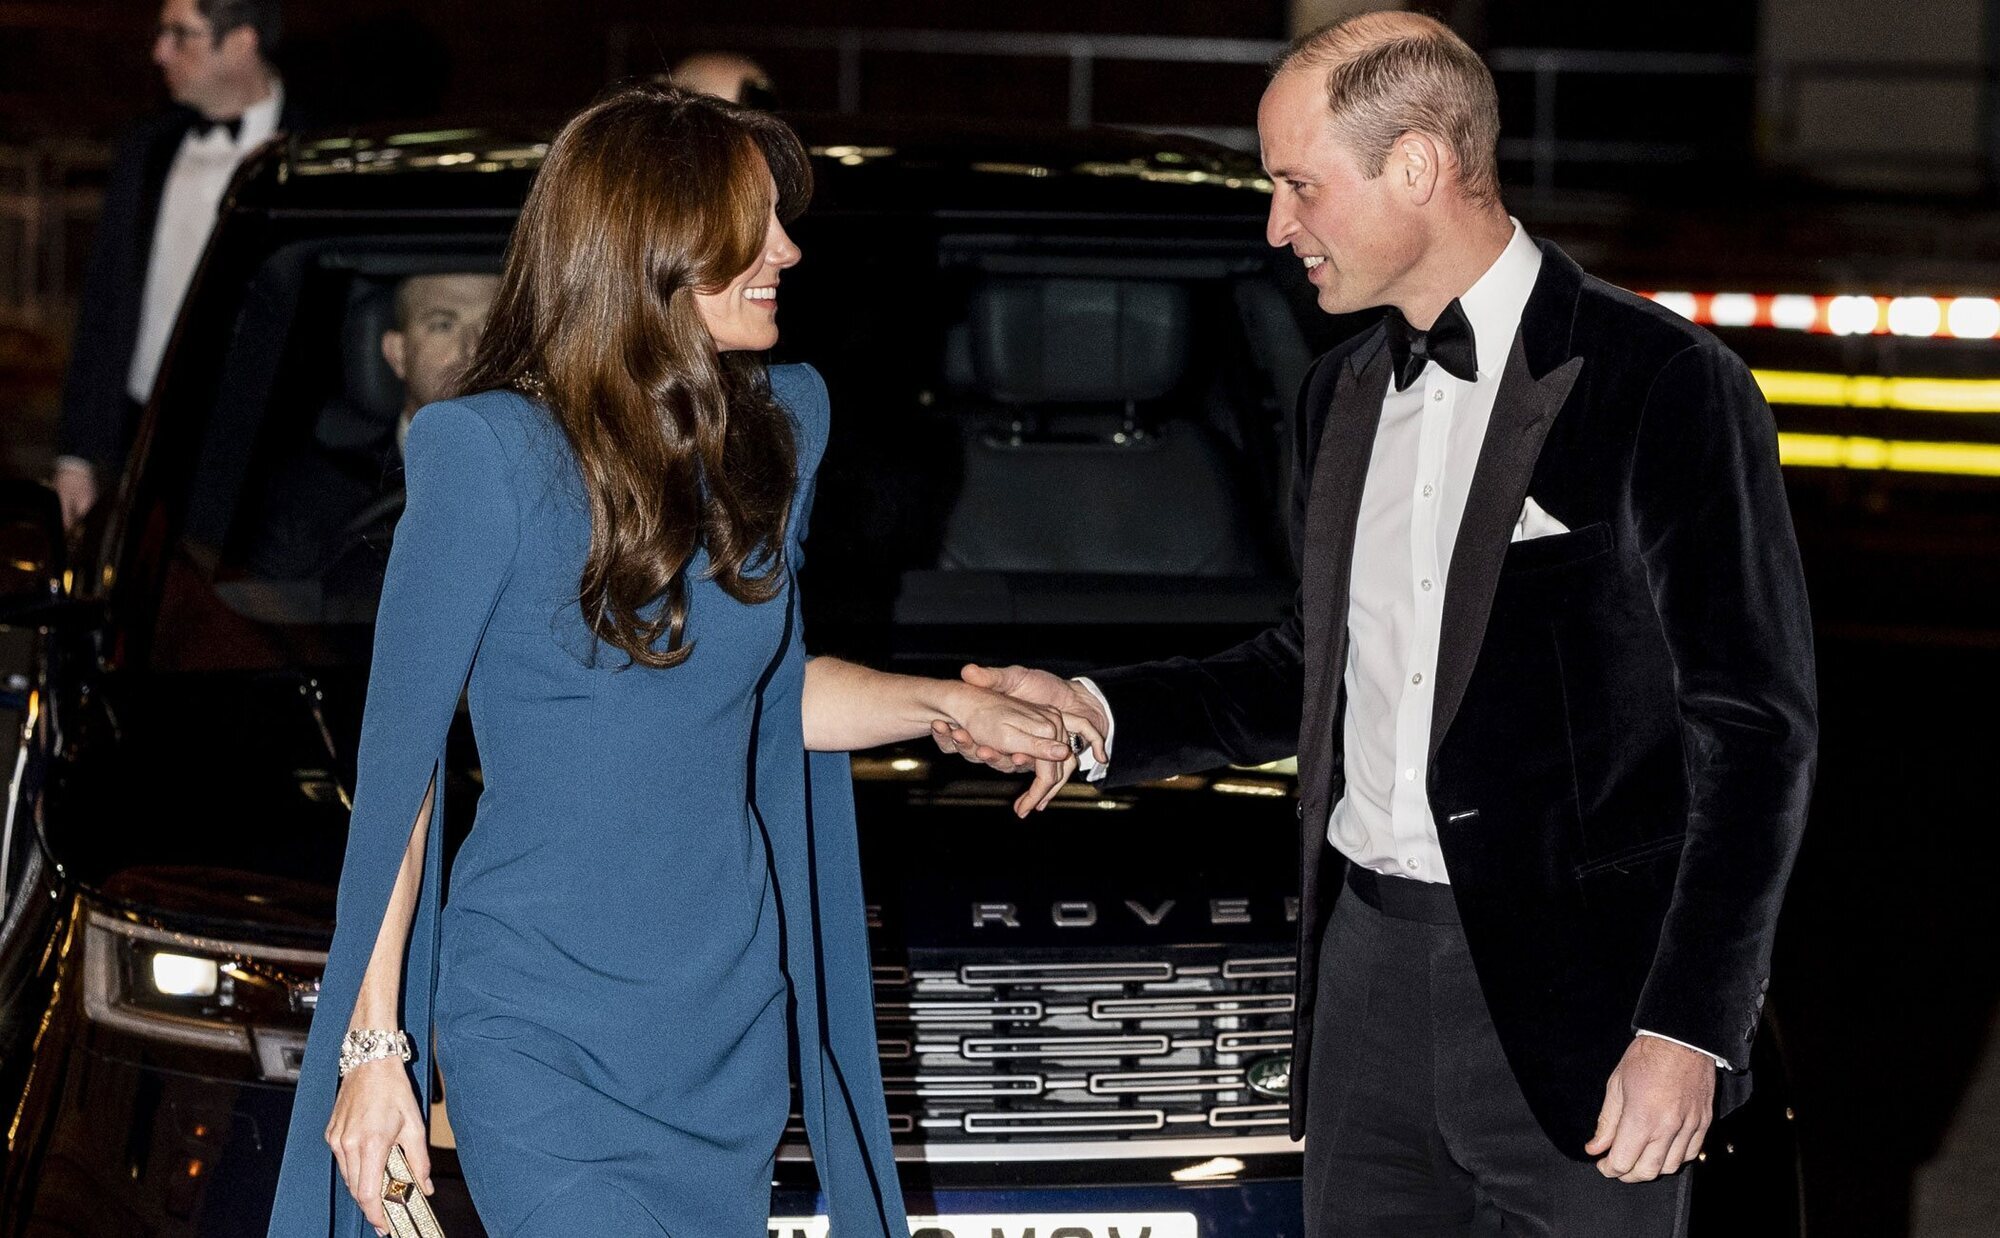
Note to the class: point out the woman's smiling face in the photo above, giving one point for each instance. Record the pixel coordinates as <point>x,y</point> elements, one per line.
<point>744,314</point>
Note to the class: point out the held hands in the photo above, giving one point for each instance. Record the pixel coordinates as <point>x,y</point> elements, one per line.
<point>1077,711</point>
<point>1657,1107</point>
<point>376,1108</point>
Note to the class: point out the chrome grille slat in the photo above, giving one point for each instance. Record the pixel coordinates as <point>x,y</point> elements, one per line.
<point>1142,1082</point>
<point>961,1011</point>
<point>1249,1115</point>
<point>1124,1121</point>
<point>1254,1042</point>
<point>963,1085</point>
<point>1260,969</point>
<point>988,974</point>
<point>1119,1008</point>
<point>977,1048</point>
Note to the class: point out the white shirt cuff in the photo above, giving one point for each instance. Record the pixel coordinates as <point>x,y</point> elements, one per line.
<point>1087,760</point>
<point>1721,1062</point>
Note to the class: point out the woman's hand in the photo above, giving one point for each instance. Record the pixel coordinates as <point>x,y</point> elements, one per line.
<point>994,723</point>
<point>376,1108</point>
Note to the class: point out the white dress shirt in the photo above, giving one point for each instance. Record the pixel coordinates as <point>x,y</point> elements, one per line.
<point>196,181</point>
<point>1418,478</point>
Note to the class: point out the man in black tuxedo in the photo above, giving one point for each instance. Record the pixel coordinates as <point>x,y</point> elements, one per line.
<point>1549,679</point>
<point>166,181</point>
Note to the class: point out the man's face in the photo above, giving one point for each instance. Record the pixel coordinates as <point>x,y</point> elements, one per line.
<point>195,64</point>
<point>1354,233</point>
<point>442,316</point>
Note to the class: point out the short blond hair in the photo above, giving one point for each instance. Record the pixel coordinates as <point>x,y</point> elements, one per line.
<point>1391,73</point>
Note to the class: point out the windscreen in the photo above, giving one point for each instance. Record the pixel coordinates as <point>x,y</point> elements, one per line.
<point>1032,426</point>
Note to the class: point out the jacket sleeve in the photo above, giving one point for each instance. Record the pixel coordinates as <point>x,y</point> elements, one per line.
<point>452,554</point>
<point>1722,563</point>
<point>1240,706</point>
<point>93,397</point>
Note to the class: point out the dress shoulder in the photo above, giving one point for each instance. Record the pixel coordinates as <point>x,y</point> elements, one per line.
<point>510,418</point>
<point>802,392</point>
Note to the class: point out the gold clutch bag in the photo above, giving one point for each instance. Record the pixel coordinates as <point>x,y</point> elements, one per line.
<point>403,1201</point>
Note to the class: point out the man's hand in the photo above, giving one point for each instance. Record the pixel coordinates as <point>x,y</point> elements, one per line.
<point>76,488</point>
<point>1657,1107</point>
<point>1080,712</point>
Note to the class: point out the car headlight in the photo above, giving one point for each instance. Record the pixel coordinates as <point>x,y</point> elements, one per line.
<point>230,996</point>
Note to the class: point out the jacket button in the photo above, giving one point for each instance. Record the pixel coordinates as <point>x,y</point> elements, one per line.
<point>1299,810</point>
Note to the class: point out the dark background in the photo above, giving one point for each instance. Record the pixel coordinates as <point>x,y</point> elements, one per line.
<point>1888,970</point>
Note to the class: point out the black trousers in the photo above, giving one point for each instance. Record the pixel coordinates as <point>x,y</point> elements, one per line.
<point>1415,1127</point>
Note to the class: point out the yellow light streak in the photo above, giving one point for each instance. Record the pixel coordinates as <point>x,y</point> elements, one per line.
<point>1916,395</point>
<point>1836,451</point>
<point>1236,786</point>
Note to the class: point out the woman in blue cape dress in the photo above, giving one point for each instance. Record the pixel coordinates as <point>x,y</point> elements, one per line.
<point>660,901</point>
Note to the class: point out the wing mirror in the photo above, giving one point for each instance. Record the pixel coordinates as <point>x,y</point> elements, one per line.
<point>31,551</point>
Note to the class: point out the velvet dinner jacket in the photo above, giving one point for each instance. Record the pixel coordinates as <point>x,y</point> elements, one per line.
<point>97,422</point>
<point>1625,724</point>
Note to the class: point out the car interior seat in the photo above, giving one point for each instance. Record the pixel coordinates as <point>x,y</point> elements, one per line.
<point>361,416</point>
<point>1081,445</point>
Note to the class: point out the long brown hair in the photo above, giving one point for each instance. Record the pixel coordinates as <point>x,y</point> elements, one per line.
<point>645,197</point>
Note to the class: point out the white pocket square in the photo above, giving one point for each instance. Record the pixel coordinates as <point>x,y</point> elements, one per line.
<point>1534,522</point>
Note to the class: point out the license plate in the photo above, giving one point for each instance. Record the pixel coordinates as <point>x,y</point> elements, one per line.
<point>1021,1225</point>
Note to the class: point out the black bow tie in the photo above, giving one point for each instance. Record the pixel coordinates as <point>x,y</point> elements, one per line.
<point>203,126</point>
<point>1449,343</point>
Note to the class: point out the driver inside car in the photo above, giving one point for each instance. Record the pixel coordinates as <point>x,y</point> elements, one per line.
<point>438,321</point>
<point>328,503</point>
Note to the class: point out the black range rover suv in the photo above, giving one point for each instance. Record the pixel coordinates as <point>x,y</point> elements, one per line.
<point>1062,368</point>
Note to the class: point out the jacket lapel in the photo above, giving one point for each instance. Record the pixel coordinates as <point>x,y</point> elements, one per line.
<point>1523,410</point>
<point>1332,509</point>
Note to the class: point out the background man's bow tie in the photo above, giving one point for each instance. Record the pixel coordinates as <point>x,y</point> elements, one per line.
<point>1449,343</point>
<point>203,126</point>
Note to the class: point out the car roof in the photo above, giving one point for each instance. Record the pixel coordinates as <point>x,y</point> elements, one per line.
<point>875,165</point>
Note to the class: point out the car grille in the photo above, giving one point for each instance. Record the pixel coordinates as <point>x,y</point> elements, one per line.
<point>1063,1058</point>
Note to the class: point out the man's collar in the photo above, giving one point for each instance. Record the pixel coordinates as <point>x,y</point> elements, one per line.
<point>260,119</point>
<point>1495,301</point>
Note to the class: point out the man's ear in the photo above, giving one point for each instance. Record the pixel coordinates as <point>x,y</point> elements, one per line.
<point>243,43</point>
<point>393,343</point>
<point>1419,162</point>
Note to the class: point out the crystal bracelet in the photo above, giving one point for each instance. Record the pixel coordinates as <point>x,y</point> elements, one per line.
<point>371,1045</point>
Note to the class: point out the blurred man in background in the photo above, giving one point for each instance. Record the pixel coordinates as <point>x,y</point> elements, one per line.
<point>726,75</point>
<point>166,181</point>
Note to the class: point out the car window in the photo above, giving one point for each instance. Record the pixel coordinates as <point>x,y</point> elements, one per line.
<point>295,484</point>
<point>1043,428</point>
<point>1048,428</point>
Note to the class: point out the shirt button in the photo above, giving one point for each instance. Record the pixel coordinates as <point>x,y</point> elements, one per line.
<point>1417,678</point>
<point>1427,490</point>
<point>1438,394</point>
<point>1411,864</point>
<point>1409,775</point>
<point>1427,586</point>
